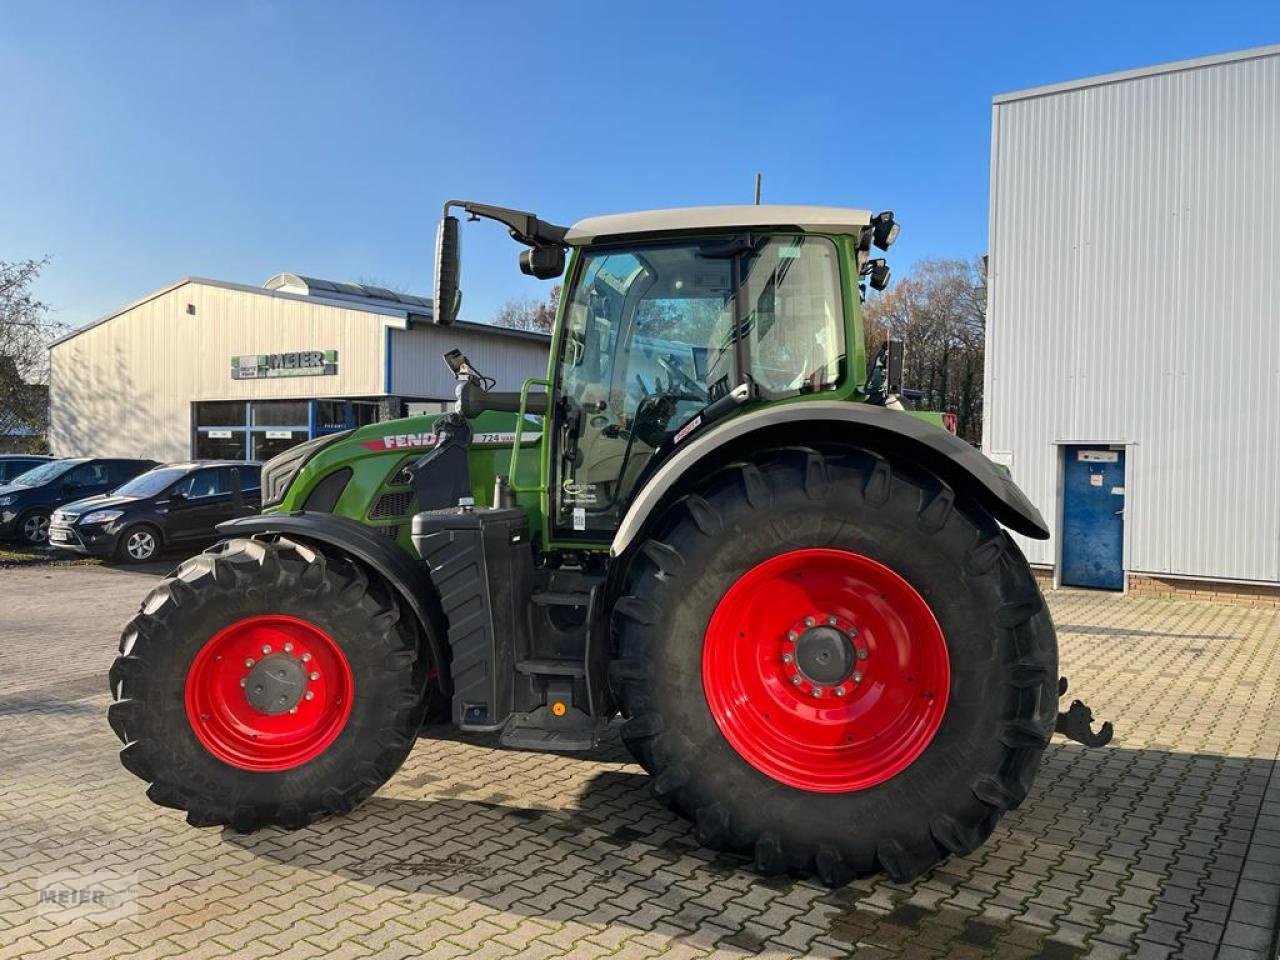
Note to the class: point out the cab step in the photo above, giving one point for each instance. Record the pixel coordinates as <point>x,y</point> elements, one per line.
<point>551,668</point>
<point>542,730</point>
<point>560,598</point>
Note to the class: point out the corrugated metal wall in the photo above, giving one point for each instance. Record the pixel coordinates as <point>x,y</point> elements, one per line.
<point>417,369</point>
<point>1135,298</point>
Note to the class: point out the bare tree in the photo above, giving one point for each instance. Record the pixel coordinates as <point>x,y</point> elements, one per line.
<point>25,332</point>
<point>939,312</point>
<point>526,313</point>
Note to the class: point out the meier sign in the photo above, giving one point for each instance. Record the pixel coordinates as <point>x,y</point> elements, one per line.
<point>301,363</point>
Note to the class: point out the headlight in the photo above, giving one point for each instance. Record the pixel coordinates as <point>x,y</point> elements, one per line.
<point>5,501</point>
<point>101,516</point>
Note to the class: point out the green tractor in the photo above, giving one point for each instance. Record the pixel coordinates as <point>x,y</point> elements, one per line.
<point>710,520</point>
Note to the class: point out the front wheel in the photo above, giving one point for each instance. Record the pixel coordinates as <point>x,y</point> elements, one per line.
<point>266,683</point>
<point>831,663</point>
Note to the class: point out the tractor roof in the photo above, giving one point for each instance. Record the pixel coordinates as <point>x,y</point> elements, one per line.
<point>745,216</point>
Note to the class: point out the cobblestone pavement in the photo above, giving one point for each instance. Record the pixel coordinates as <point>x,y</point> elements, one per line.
<point>1166,843</point>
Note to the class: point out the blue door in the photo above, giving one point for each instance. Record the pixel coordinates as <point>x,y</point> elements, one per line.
<point>1093,518</point>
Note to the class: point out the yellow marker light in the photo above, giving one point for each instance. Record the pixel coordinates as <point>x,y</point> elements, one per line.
<point>559,709</point>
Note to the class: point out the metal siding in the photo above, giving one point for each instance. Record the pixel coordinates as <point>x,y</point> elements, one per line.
<point>417,369</point>
<point>125,387</point>
<point>1133,298</point>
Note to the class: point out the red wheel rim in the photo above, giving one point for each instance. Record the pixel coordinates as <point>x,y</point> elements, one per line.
<point>785,709</point>
<point>262,653</point>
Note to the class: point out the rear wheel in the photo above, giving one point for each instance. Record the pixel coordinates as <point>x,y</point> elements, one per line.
<point>265,683</point>
<point>832,665</point>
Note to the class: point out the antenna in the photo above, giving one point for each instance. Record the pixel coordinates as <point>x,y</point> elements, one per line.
<point>759,177</point>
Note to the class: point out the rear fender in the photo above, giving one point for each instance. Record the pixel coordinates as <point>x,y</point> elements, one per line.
<point>408,579</point>
<point>879,429</point>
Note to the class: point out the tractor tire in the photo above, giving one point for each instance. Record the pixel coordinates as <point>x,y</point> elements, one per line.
<point>832,663</point>
<point>265,683</point>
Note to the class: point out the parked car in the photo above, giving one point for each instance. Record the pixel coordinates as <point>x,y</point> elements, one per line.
<point>173,504</point>
<point>29,498</point>
<point>14,464</point>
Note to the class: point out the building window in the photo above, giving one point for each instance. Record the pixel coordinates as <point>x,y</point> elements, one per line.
<point>261,429</point>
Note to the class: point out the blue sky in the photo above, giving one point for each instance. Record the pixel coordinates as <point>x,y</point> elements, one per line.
<point>144,142</point>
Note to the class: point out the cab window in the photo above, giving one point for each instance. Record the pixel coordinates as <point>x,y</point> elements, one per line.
<point>656,333</point>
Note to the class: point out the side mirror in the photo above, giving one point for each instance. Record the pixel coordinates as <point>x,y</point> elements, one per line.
<point>448,296</point>
<point>543,262</point>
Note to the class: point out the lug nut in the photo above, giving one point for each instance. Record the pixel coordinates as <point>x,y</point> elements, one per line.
<point>314,675</point>
<point>793,636</point>
<point>244,682</point>
<point>809,621</point>
<point>309,695</point>
<point>796,681</point>
<point>839,691</point>
<point>853,631</point>
<point>831,621</point>
<point>288,648</point>
<point>787,658</point>
<point>306,657</point>
<point>293,709</point>
<point>816,691</point>
<point>857,676</point>
<point>266,648</point>
<point>862,654</point>
<point>249,662</point>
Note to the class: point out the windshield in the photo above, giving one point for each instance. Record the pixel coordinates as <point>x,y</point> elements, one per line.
<point>152,482</point>
<point>42,474</point>
<point>655,333</point>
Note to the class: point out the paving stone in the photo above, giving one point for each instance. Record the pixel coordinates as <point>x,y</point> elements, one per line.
<point>1164,844</point>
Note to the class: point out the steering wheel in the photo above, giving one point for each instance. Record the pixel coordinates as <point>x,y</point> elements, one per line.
<point>687,383</point>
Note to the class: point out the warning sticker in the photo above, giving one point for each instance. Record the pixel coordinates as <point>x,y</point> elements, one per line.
<point>1095,479</point>
<point>1098,456</point>
<point>579,518</point>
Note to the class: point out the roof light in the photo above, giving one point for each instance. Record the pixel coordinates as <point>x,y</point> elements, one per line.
<point>884,229</point>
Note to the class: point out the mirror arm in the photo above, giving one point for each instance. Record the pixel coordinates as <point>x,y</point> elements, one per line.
<point>525,227</point>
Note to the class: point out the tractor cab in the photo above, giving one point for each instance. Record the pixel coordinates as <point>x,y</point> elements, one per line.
<point>673,320</point>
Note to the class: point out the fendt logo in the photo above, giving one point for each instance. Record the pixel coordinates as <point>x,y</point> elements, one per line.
<point>401,441</point>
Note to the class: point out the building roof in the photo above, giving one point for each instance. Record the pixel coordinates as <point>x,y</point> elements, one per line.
<point>1176,66</point>
<point>765,216</point>
<point>356,292</point>
<point>405,308</point>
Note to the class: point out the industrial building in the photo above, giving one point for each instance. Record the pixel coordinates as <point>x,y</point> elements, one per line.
<point>204,368</point>
<point>1133,337</point>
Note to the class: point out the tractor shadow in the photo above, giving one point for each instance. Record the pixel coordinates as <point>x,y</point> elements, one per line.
<point>616,857</point>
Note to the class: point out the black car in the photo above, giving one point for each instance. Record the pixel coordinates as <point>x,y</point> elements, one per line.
<point>27,501</point>
<point>15,464</point>
<point>170,505</point>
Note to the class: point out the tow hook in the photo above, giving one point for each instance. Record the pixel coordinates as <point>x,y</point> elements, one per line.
<point>1077,722</point>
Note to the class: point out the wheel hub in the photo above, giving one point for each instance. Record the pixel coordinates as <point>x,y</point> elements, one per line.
<point>276,684</point>
<point>824,656</point>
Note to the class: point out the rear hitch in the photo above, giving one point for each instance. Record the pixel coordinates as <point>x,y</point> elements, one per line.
<point>1077,722</point>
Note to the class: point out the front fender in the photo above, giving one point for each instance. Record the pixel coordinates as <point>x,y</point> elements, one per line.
<point>876,428</point>
<point>409,580</point>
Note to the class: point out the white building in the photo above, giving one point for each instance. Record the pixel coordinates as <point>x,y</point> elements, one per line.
<point>1133,343</point>
<point>203,368</point>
